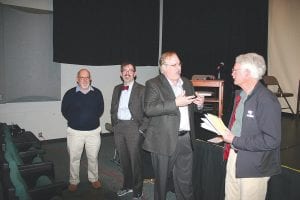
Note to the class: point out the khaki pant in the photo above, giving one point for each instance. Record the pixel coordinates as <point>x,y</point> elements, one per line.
<point>76,141</point>
<point>243,188</point>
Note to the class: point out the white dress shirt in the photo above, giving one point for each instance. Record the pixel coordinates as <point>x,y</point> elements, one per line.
<point>123,110</point>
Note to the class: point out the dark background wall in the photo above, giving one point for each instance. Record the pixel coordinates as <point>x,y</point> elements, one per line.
<point>106,32</point>
<point>208,32</point>
<point>203,32</point>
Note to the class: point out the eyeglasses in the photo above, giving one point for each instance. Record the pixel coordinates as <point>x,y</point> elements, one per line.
<point>173,65</point>
<point>84,78</point>
<point>129,71</point>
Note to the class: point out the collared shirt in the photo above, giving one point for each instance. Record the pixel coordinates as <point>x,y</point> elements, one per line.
<point>184,112</point>
<point>123,110</point>
<point>78,89</point>
<point>237,125</point>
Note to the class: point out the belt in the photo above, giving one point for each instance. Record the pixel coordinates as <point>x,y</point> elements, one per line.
<point>125,120</point>
<point>182,133</point>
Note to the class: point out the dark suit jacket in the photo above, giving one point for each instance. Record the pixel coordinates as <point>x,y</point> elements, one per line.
<point>135,105</point>
<point>162,132</point>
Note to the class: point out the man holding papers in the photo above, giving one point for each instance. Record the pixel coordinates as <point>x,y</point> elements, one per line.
<point>254,133</point>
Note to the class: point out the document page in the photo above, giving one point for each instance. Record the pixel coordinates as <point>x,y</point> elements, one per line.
<point>213,123</point>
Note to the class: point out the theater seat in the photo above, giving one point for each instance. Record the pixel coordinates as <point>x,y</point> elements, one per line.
<point>32,154</point>
<point>31,182</point>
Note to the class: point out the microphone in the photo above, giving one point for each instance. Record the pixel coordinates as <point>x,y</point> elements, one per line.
<point>220,65</point>
<point>219,69</point>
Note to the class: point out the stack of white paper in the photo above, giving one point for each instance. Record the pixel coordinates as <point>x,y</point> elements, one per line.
<point>213,123</point>
<point>204,93</point>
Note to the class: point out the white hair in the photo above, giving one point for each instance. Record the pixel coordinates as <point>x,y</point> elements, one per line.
<point>254,63</point>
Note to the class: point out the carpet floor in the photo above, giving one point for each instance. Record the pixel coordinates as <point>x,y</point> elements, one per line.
<point>109,172</point>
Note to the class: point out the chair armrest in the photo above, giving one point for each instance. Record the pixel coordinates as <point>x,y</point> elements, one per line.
<point>48,191</point>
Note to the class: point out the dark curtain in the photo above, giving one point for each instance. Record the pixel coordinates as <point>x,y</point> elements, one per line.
<point>284,185</point>
<point>208,32</point>
<point>106,32</point>
<point>209,171</point>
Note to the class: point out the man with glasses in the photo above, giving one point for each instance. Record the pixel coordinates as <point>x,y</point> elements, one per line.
<point>129,124</point>
<point>254,134</point>
<point>170,104</point>
<point>82,106</point>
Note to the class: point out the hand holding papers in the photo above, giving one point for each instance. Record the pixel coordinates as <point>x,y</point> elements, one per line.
<point>213,123</point>
<point>216,140</point>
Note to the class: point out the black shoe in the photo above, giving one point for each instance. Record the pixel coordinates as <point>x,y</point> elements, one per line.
<point>123,192</point>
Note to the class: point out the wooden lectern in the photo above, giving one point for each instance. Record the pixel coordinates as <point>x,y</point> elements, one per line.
<point>219,84</point>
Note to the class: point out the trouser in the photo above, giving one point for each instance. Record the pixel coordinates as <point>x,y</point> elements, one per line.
<point>76,141</point>
<point>243,188</point>
<point>180,166</point>
<point>128,143</point>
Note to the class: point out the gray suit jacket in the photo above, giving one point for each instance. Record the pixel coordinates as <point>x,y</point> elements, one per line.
<point>162,132</point>
<point>135,105</point>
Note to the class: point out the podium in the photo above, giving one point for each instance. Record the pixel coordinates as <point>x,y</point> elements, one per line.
<point>219,85</point>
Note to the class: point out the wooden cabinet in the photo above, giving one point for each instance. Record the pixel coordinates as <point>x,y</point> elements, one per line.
<point>214,85</point>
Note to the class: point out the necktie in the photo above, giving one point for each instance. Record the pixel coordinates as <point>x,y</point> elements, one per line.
<point>125,87</point>
<point>227,146</point>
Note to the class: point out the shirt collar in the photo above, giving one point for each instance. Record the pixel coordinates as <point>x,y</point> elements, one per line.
<point>130,85</point>
<point>178,84</point>
<point>78,88</point>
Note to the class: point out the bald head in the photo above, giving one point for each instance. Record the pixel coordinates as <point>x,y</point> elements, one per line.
<point>84,79</point>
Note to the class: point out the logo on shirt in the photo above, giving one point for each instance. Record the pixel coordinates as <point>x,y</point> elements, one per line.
<point>250,114</point>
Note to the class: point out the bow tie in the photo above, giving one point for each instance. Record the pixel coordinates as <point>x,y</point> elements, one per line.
<point>125,87</point>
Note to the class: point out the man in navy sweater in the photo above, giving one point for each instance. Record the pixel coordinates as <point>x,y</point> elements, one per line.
<point>82,106</point>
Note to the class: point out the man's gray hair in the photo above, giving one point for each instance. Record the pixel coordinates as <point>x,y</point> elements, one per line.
<point>254,63</point>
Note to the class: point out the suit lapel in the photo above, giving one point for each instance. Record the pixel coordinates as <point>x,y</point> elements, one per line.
<point>166,85</point>
<point>132,95</point>
<point>119,90</point>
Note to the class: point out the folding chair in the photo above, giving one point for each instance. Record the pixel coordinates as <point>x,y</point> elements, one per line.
<point>272,81</point>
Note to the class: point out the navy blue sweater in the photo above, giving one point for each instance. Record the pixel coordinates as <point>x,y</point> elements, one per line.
<point>83,111</point>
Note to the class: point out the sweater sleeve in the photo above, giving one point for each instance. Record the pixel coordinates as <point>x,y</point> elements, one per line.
<point>65,105</point>
<point>100,106</point>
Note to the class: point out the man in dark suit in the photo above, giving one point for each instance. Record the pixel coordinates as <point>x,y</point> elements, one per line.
<point>129,123</point>
<point>169,105</point>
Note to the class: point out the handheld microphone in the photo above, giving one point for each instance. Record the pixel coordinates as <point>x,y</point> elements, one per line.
<point>219,69</point>
<point>220,65</point>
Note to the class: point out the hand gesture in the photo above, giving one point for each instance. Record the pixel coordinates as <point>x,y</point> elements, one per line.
<point>182,100</point>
